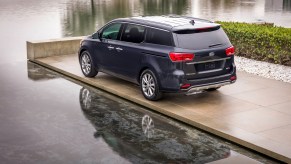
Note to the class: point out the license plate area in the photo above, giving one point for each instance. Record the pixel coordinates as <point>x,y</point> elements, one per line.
<point>209,66</point>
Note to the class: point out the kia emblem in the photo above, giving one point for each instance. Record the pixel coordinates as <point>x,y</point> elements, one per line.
<point>211,54</point>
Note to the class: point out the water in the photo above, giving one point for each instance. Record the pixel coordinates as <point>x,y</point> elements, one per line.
<point>44,118</point>
<point>23,20</point>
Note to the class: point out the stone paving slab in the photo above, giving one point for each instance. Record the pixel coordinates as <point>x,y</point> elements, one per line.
<point>254,112</point>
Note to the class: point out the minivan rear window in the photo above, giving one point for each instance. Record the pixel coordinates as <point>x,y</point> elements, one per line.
<point>202,38</point>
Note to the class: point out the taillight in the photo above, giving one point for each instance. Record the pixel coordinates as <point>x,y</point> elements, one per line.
<point>232,78</point>
<point>179,56</point>
<point>230,51</point>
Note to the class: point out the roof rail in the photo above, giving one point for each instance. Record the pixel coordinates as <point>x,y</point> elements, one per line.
<point>188,17</point>
<point>142,20</point>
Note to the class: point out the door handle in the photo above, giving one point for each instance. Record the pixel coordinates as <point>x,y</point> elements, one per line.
<point>110,47</point>
<point>119,49</point>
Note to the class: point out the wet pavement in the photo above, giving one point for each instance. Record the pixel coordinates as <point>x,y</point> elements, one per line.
<point>47,118</point>
<point>240,112</point>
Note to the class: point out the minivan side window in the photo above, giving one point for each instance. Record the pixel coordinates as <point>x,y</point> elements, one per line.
<point>111,31</point>
<point>160,37</point>
<point>133,33</point>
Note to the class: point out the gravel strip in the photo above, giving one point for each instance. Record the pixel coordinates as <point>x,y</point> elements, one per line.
<point>264,69</point>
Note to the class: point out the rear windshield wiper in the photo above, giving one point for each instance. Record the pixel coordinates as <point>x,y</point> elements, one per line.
<point>214,45</point>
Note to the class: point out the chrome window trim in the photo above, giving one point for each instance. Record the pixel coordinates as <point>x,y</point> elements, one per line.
<point>213,60</point>
<point>146,26</point>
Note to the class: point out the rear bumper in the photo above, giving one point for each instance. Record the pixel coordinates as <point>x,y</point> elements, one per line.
<point>207,86</point>
<point>197,85</point>
<point>212,82</point>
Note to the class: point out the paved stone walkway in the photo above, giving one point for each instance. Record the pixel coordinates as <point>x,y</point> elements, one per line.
<point>254,112</point>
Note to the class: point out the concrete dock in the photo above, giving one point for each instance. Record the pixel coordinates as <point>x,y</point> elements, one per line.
<point>254,112</point>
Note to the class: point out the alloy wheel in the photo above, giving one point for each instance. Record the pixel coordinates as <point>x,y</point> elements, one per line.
<point>86,63</point>
<point>148,85</point>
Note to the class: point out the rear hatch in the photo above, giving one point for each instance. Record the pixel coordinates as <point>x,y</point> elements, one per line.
<point>209,47</point>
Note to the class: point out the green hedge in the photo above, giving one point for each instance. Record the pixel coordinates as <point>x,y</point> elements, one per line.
<point>260,42</point>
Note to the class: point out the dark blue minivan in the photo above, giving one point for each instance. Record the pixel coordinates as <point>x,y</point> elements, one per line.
<point>161,54</point>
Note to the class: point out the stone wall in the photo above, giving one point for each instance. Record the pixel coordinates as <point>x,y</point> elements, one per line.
<point>53,47</point>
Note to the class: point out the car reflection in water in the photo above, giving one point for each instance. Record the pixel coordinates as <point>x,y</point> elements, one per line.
<point>148,126</point>
<point>141,136</point>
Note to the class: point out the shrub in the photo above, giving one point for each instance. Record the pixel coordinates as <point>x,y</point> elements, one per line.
<point>260,42</point>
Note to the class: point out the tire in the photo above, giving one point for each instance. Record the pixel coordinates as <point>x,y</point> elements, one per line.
<point>212,89</point>
<point>149,86</point>
<point>86,64</point>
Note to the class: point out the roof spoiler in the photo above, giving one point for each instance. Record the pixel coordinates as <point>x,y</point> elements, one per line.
<point>196,30</point>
